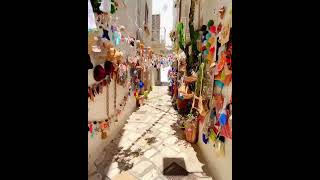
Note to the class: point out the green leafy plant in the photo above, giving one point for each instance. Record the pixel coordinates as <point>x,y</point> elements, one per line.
<point>181,35</point>
<point>194,36</point>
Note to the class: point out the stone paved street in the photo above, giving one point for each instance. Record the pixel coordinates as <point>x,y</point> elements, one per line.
<point>149,142</point>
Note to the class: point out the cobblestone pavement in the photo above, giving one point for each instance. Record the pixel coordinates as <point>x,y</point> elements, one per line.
<point>148,144</point>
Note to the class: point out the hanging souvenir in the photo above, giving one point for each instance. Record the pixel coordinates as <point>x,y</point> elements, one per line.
<point>90,127</point>
<point>212,114</point>
<point>117,36</point>
<point>106,34</point>
<point>131,42</point>
<point>99,73</point>
<point>218,87</point>
<point>109,68</point>
<point>141,84</point>
<point>205,139</point>
<point>104,125</point>
<point>222,11</point>
<point>228,76</point>
<point>91,20</point>
<point>225,31</point>
<point>223,118</point>
<point>91,131</point>
<point>227,92</point>
<point>96,127</point>
<point>226,130</point>
<point>213,29</point>
<point>105,6</point>
<point>221,62</point>
<point>212,135</point>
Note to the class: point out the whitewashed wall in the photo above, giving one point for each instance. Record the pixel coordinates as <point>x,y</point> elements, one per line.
<point>97,109</point>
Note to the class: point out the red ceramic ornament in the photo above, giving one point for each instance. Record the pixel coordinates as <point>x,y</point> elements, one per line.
<point>226,131</point>
<point>212,49</point>
<point>213,29</point>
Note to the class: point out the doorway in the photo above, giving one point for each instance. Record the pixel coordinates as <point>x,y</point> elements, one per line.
<point>164,75</point>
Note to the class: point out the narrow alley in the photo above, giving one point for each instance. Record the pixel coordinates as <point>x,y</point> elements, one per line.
<point>151,145</point>
<point>159,89</point>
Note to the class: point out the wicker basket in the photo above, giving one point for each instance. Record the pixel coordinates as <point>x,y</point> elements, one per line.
<point>91,41</point>
<point>187,96</point>
<point>184,91</point>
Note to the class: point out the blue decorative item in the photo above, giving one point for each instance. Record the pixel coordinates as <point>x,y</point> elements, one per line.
<point>106,34</point>
<point>223,119</point>
<point>117,38</point>
<point>181,97</point>
<point>206,52</point>
<point>141,84</point>
<point>205,139</point>
<point>208,35</point>
<point>219,84</point>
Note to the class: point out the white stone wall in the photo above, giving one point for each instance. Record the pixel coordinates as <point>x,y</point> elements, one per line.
<point>97,109</point>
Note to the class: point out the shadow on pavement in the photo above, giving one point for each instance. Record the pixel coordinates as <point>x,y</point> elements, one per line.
<point>174,167</point>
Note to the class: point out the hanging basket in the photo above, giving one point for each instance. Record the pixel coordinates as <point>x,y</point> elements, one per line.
<point>91,41</point>
<point>184,92</point>
<point>190,79</point>
<point>118,56</point>
<point>187,96</point>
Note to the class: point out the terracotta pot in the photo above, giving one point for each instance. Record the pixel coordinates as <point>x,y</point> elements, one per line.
<point>191,131</point>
